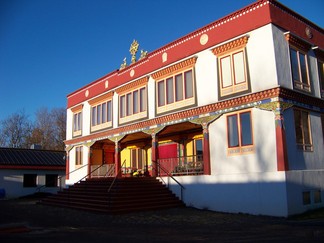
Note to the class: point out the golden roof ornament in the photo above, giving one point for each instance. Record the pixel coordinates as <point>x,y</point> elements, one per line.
<point>133,50</point>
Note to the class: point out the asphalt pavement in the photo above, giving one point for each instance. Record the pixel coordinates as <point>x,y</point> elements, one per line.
<point>25,220</point>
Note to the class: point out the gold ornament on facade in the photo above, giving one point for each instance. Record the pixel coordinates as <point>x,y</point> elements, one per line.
<point>133,50</point>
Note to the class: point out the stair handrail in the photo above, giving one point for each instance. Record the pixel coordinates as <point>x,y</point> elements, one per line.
<point>169,175</point>
<point>60,177</point>
<point>90,173</point>
<point>115,178</point>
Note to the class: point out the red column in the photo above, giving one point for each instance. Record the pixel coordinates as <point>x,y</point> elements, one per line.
<point>206,151</point>
<point>118,172</point>
<point>282,159</point>
<point>155,155</point>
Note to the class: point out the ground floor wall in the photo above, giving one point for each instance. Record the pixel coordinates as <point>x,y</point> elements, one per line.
<point>12,182</point>
<point>253,193</point>
<point>305,190</point>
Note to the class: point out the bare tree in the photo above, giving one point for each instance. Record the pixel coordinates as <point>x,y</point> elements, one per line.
<point>15,130</point>
<point>49,129</point>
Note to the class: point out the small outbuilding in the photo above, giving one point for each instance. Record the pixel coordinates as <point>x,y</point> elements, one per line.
<point>28,171</point>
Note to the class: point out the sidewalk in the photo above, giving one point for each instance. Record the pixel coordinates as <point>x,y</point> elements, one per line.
<point>24,220</point>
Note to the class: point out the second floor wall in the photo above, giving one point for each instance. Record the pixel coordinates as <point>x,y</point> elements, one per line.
<point>258,60</point>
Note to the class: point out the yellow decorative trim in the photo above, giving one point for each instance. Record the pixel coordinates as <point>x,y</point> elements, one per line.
<point>297,42</point>
<point>77,108</point>
<point>101,98</point>
<point>175,68</point>
<point>230,46</point>
<point>205,120</point>
<point>132,85</point>
<point>154,130</point>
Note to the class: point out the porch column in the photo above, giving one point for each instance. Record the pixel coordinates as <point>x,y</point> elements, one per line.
<point>204,121</point>
<point>206,156</point>
<point>118,172</point>
<point>67,166</point>
<point>155,154</point>
<point>278,107</point>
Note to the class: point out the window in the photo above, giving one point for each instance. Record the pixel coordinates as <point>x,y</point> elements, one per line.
<point>175,86</point>
<point>78,155</point>
<point>30,180</point>
<point>137,158</point>
<point>298,49</point>
<point>51,180</point>
<point>133,105</point>
<point>239,133</point>
<point>302,130</point>
<point>198,150</point>
<point>101,115</point>
<point>317,196</point>
<point>232,67</point>
<point>306,198</point>
<point>321,76</point>
<point>77,123</point>
<point>299,69</point>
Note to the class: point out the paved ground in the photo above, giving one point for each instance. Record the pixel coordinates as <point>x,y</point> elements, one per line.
<point>24,220</point>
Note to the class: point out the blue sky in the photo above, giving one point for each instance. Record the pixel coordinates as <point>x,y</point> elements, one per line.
<point>50,48</point>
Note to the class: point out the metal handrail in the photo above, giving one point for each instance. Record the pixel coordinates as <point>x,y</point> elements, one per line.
<point>60,177</point>
<point>115,178</point>
<point>90,173</point>
<point>170,176</point>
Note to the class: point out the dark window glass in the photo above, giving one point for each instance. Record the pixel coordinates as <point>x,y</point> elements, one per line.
<point>30,180</point>
<point>245,119</point>
<point>232,125</point>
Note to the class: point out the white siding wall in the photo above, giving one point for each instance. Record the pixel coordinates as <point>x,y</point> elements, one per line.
<point>76,175</point>
<point>261,59</point>
<point>262,160</point>
<point>12,182</point>
<point>253,193</point>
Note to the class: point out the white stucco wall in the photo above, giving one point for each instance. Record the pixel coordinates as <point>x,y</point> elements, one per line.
<point>263,159</point>
<point>77,173</point>
<point>253,193</point>
<point>261,59</point>
<point>12,182</point>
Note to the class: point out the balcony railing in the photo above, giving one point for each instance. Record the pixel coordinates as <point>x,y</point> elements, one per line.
<point>187,165</point>
<point>106,170</point>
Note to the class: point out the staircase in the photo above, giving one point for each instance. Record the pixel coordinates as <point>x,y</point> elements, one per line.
<point>128,194</point>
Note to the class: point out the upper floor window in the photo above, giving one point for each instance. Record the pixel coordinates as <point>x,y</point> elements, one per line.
<point>299,69</point>
<point>77,120</point>
<point>232,67</point>
<point>321,76</point>
<point>175,86</point>
<point>133,101</point>
<point>101,112</point>
<point>239,133</point>
<point>302,130</point>
<point>299,62</point>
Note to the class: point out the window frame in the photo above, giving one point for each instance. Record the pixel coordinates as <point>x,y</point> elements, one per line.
<point>300,84</point>
<point>229,51</point>
<point>51,180</point>
<point>320,65</point>
<point>77,123</point>
<point>304,127</point>
<point>135,106</point>
<point>168,93</point>
<point>78,156</point>
<point>239,147</point>
<point>101,115</point>
<point>30,180</point>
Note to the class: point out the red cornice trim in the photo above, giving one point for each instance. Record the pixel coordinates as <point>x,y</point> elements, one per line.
<point>233,25</point>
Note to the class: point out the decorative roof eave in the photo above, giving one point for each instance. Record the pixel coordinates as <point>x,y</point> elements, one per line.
<point>132,85</point>
<point>175,68</point>
<point>247,101</point>
<point>230,46</point>
<point>297,42</point>
<point>101,98</point>
<point>319,53</point>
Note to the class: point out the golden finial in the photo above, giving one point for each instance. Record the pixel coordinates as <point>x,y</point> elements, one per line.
<point>133,50</point>
<point>123,65</point>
